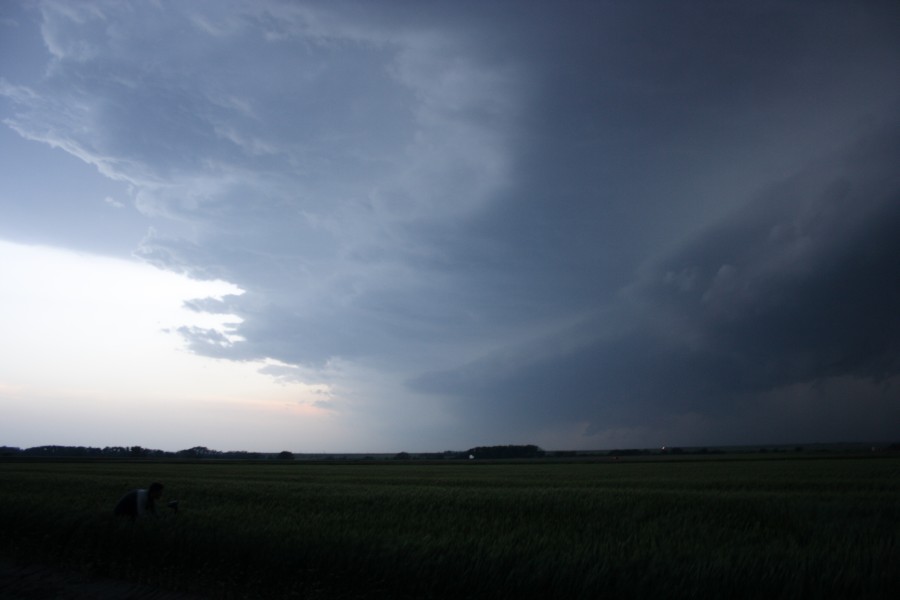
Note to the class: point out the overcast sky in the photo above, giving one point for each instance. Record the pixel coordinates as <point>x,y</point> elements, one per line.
<point>386,226</point>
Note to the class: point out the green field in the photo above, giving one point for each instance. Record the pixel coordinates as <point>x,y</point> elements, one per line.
<point>777,528</point>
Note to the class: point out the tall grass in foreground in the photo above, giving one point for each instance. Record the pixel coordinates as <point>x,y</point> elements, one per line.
<point>740,529</point>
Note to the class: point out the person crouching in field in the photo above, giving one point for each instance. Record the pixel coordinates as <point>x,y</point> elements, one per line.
<point>138,503</point>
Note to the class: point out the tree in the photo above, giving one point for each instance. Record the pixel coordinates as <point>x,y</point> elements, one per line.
<point>285,455</point>
<point>510,451</point>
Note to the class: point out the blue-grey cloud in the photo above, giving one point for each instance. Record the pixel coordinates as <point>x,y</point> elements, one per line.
<point>524,215</point>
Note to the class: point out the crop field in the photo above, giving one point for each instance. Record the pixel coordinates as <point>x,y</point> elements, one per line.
<point>776,528</point>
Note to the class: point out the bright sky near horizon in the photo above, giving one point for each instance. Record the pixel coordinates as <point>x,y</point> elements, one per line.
<point>375,227</point>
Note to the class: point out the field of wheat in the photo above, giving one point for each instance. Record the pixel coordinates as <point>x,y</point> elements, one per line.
<point>787,528</point>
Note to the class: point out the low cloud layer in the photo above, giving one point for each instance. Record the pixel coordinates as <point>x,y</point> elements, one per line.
<point>598,224</point>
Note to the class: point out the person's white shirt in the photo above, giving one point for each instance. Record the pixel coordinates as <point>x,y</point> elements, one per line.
<point>141,502</point>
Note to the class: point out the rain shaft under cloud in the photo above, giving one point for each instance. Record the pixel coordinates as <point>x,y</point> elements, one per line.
<point>580,226</point>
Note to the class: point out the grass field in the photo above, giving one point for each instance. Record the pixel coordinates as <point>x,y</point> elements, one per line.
<point>783,528</point>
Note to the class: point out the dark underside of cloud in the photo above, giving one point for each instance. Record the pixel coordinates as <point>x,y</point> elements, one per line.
<point>800,287</point>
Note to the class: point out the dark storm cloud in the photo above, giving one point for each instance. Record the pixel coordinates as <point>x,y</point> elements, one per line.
<point>643,125</point>
<point>539,215</point>
<point>800,286</point>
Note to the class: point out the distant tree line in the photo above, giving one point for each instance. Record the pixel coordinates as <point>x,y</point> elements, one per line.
<point>202,452</point>
<point>510,451</point>
<point>483,452</point>
<point>196,452</point>
<point>478,452</point>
